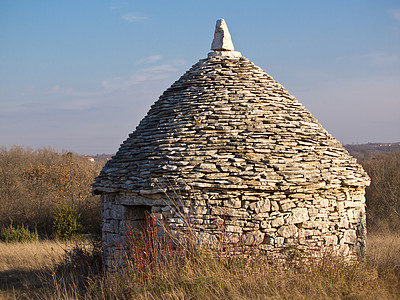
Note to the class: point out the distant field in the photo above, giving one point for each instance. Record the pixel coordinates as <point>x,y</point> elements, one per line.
<point>370,149</point>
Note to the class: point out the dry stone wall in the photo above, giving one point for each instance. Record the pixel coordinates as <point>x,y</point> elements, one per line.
<point>332,220</point>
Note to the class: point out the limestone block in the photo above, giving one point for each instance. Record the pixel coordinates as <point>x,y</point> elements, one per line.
<point>350,237</point>
<point>265,224</point>
<point>111,226</point>
<point>277,222</point>
<point>207,167</point>
<point>117,212</point>
<point>206,239</point>
<point>308,232</point>
<point>261,206</point>
<point>233,228</point>
<point>350,213</point>
<point>253,238</point>
<point>351,204</point>
<point>287,205</point>
<point>199,210</point>
<point>233,202</point>
<point>287,231</point>
<point>230,238</point>
<point>279,241</point>
<point>299,215</point>
<point>344,222</point>
<point>106,214</point>
<point>344,249</point>
<point>359,213</point>
<point>331,240</point>
<point>340,206</point>
<point>324,202</point>
<point>312,212</point>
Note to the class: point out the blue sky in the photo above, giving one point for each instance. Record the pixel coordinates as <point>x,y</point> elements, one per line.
<point>80,75</point>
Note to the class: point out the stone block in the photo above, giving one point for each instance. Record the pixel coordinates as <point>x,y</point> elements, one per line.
<point>279,241</point>
<point>117,212</point>
<point>106,214</point>
<point>299,215</point>
<point>252,238</point>
<point>261,206</point>
<point>279,221</point>
<point>233,203</point>
<point>111,227</point>
<point>233,228</point>
<point>268,240</point>
<point>331,240</point>
<point>288,205</point>
<point>287,231</point>
<point>350,237</point>
<point>265,224</point>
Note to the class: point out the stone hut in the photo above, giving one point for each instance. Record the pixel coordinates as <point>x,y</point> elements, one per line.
<point>244,156</point>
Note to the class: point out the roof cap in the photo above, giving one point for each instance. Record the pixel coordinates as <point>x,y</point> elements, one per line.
<point>222,43</point>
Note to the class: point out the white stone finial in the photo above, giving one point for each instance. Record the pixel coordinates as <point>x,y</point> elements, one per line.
<point>222,39</point>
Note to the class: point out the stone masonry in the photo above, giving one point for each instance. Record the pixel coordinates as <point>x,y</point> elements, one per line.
<point>245,156</point>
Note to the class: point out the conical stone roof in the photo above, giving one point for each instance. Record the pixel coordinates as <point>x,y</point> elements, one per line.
<point>228,125</point>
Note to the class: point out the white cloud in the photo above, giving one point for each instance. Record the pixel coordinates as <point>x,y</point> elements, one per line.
<point>133,17</point>
<point>395,13</point>
<point>115,7</point>
<point>107,86</point>
<point>149,59</point>
<point>147,74</point>
<point>59,90</point>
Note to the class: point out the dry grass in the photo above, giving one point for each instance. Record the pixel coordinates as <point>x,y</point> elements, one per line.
<point>30,256</point>
<point>384,250</point>
<point>198,275</point>
<point>22,262</point>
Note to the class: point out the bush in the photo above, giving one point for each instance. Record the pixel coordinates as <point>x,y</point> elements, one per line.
<point>383,195</point>
<point>19,234</point>
<point>66,222</point>
<point>34,183</point>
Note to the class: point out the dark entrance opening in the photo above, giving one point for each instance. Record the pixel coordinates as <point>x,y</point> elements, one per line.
<point>136,217</point>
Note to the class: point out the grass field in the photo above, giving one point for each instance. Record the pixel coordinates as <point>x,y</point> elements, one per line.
<point>43,270</point>
<point>21,264</point>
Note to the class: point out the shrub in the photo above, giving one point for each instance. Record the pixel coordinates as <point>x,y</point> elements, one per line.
<point>383,195</point>
<point>19,234</point>
<point>34,183</point>
<point>66,222</point>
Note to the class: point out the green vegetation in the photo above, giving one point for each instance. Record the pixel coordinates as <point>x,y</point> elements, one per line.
<point>66,222</point>
<point>21,233</point>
